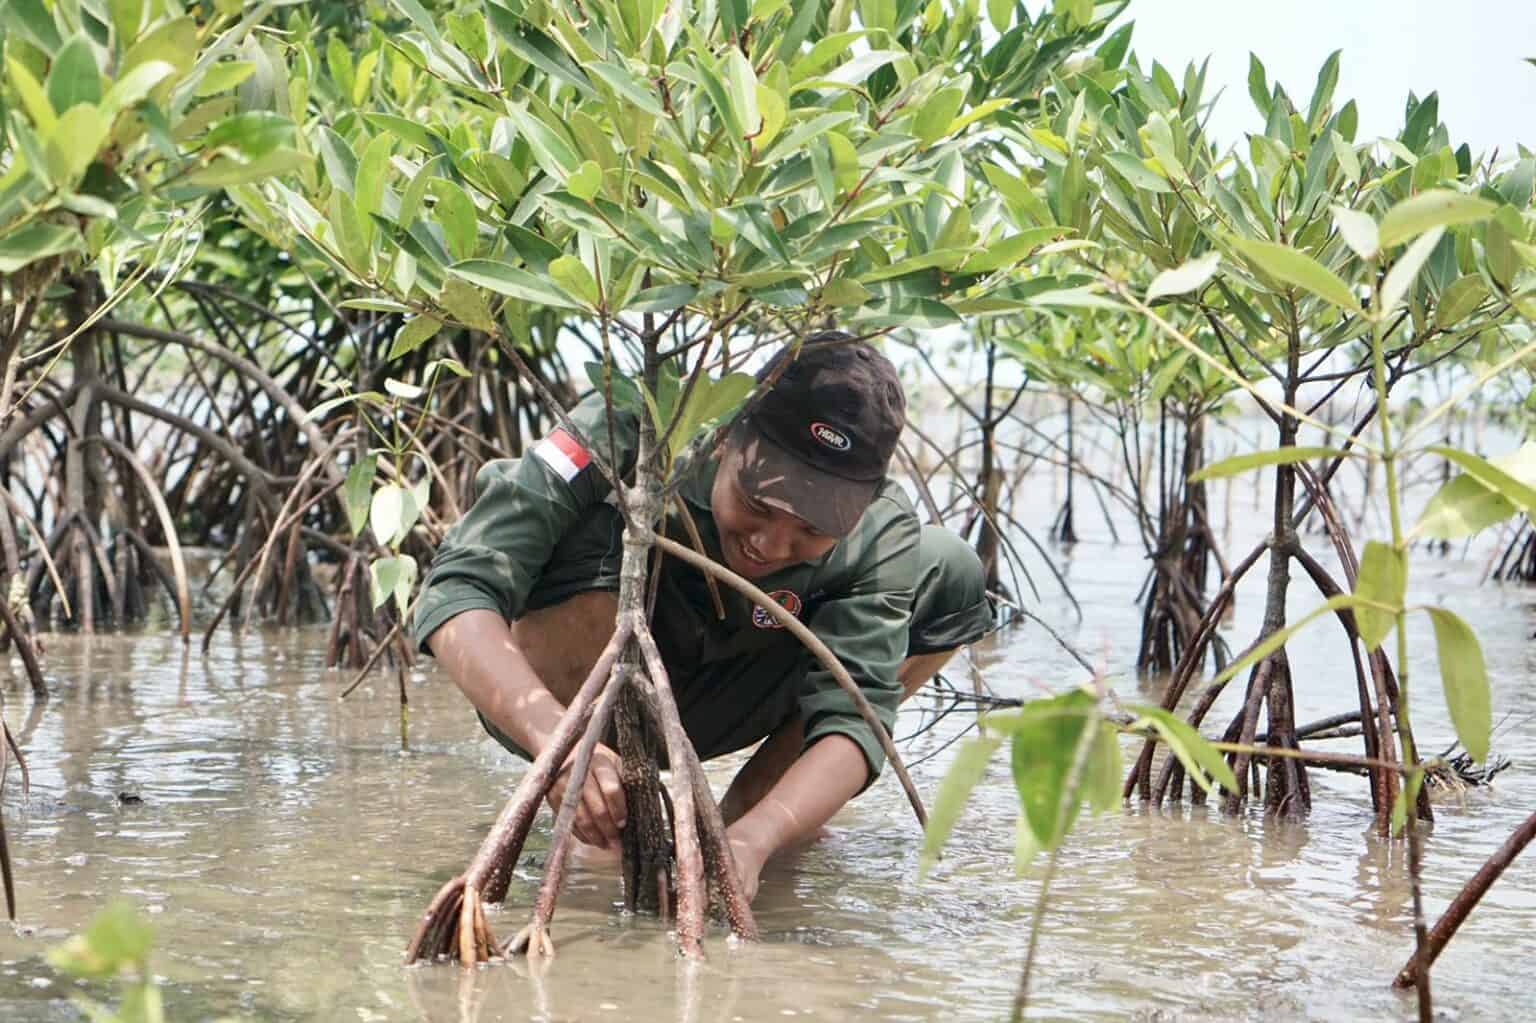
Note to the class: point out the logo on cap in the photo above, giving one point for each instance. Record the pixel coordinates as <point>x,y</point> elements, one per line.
<point>830,437</point>
<point>789,600</point>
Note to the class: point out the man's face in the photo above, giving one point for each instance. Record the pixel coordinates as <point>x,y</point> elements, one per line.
<point>755,538</point>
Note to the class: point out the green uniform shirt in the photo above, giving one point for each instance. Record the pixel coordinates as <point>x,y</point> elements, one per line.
<point>541,531</point>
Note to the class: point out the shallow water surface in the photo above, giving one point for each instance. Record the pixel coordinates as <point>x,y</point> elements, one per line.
<point>286,844</point>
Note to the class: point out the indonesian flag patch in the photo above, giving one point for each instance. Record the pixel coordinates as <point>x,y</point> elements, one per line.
<point>560,452</point>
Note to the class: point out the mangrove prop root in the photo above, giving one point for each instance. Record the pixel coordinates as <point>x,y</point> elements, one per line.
<point>560,843</point>
<point>719,862</point>
<point>1465,901</point>
<point>491,870</point>
<point>817,648</point>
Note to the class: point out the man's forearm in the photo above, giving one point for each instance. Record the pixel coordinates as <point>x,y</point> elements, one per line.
<point>477,650</point>
<point>815,787</point>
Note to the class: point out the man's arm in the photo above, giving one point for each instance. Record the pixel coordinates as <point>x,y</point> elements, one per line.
<point>815,787</point>
<point>477,650</point>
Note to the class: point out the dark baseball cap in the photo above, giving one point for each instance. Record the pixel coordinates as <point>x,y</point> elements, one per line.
<point>818,441</point>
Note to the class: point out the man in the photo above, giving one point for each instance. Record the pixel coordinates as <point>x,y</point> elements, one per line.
<point>521,597</point>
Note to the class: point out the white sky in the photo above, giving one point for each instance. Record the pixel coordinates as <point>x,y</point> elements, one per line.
<point>1470,51</point>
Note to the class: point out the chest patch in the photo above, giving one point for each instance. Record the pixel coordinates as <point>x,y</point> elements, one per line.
<point>789,600</point>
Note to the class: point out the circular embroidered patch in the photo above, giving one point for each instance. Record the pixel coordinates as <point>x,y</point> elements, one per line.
<point>789,600</point>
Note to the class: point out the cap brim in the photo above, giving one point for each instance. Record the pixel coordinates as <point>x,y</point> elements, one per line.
<point>770,473</point>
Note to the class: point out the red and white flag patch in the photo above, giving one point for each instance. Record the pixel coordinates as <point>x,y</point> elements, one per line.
<point>560,451</point>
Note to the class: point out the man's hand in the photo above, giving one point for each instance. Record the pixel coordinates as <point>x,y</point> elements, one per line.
<point>602,812</point>
<point>749,856</point>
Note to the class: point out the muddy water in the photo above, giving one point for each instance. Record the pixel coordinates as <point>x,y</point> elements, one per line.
<point>285,844</point>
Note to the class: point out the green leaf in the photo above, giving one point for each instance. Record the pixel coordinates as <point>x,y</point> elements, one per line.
<point>455,211</point>
<point>1104,772</point>
<point>576,280</point>
<point>586,181</point>
<point>1202,762</point>
<point>1189,277</point>
<point>1465,681</point>
<point>224,76</point>
<point>466,304</point>
<point>252,133</point>
<point>36,241</point>
<point>505,279</point>
<point>1260,459</point>
<point>1461,508</point>
<point>1358,230</point>
<point>130,89</point>
<point>932,121</point>
<point>405,582</point>
<point>1432,208</point>
<point>357,490</point>
<point>662,299</point>
<point>371,172</point>
<point>226,171</point>
<point>1130,167</point>
<point>1290,266</point>
<point>416,332</point>
<point>1399,280</point>
<point>1382,579</point>
<point>31,19</point>
<point>1459,300</point>
<point>842,292</point>
<point>1491,476</point>
<point>1045,737</point>
<point>74,77</point>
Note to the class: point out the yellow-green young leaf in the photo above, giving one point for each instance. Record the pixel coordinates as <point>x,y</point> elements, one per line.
<point>933,119</point>
<point>1101,783</point>
<point>1459,299</point>
<point>1025,846</point>
<point>455,211</point>
<point>1202,762</point>
<point>772,109</point>
<point>1399,280</point>
<point>840,291</point>
<point>1462,507</point>
<point>1290,266</point>
<point>1383,579</point>
<point>371,171</point>
<point>1436,207</point>
<point>357,490</point>
<point>127,16</point>
<point>586,181</point>
<point>223,76</point>
<point>965,771</point>
<point>116,939</point>
<point>131,88</point>
<point>74,143</point>
<point>1464,678</point>
<point>362,83</point>
<point>33,99</point>
<point>1000,13</point>
<point>405,582</point>
<point>383,577</point>
<point>174,42</point>
<point>1407,796</point>
<point>975,114</point>
<point>1189,277</point>
<point>573,276</point>
<point>416,332</point>
<point>1491,476</point>
<point>1358,231</point>
<point>1261,459</point>
<point>741,89</point>
<point>1499,250</point>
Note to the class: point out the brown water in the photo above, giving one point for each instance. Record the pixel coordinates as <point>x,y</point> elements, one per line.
<point>286,843</point>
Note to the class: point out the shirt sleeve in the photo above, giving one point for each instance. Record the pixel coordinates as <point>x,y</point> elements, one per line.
<point>492,556</point>
<point>866,627</point>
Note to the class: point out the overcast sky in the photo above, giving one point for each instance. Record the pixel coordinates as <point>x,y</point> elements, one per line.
<point>1470,51</point>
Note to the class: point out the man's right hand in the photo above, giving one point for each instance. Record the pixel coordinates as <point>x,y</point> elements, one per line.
<point>602,812</point>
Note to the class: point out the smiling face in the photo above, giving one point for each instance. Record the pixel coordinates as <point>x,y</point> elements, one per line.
<point>758,539</point>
